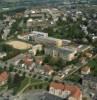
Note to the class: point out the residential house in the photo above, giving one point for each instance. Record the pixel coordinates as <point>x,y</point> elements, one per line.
<point>3,78</point>
<point>88,55</point>
<point>27,63</point>
<point>39,60</point>
<point>48,69</point>
<point>85,70</point>
<point>65,91</point>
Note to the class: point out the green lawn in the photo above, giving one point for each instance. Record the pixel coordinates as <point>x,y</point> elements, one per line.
<point>3,87</point>
<point>35,81</point>
<point>38,84</point>
<point>23,84</point>
<point>32,83</point>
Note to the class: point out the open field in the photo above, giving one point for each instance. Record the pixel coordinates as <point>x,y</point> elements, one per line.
<point>19,45</point>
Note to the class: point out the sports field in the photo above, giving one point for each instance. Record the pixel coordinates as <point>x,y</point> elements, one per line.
<point>19,45</point>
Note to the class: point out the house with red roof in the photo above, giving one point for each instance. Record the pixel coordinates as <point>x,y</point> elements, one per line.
<point>65,91</point>
<point>48,69</point>
<point>39,61</point>
<point>3,78</point>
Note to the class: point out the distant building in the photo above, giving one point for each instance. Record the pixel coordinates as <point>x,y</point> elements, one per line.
<point>65,91</point>
<point>29,22</point>
<point>37,15</point>
<point>94,38</point>
<point>2,25</point>
<point>6,33</point>
<point>55,13</point>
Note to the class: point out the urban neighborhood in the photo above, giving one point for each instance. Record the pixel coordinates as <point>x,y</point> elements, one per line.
<point>48,51</point>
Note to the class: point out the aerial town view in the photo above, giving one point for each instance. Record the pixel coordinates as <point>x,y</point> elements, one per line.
<point>48,49</point>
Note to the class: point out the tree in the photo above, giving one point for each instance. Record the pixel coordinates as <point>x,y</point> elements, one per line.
<point>1,69</point>
<point>40,86</point>
<point>40,52</point>
<point>60,63</point>
<point>47,58</point>
<point>74,78</point>
<point>10,82</point>
<point>11,68</point>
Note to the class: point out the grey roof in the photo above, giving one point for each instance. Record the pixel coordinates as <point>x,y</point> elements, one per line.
<point>91,78</point>
<point>84,47</point>
<point>60,50</point>
<point>48,96</point>
<point>95,97</point>
<point>40,96</point>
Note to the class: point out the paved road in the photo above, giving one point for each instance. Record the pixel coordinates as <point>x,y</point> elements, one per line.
<point>13,60</point>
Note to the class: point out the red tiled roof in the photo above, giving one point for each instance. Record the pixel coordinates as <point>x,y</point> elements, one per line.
<point>57,85</point>
<point>39,61</point>
<point>47,68</point>
<point>3,76</point>
<point>75,91</point>
<point>27,61</point>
